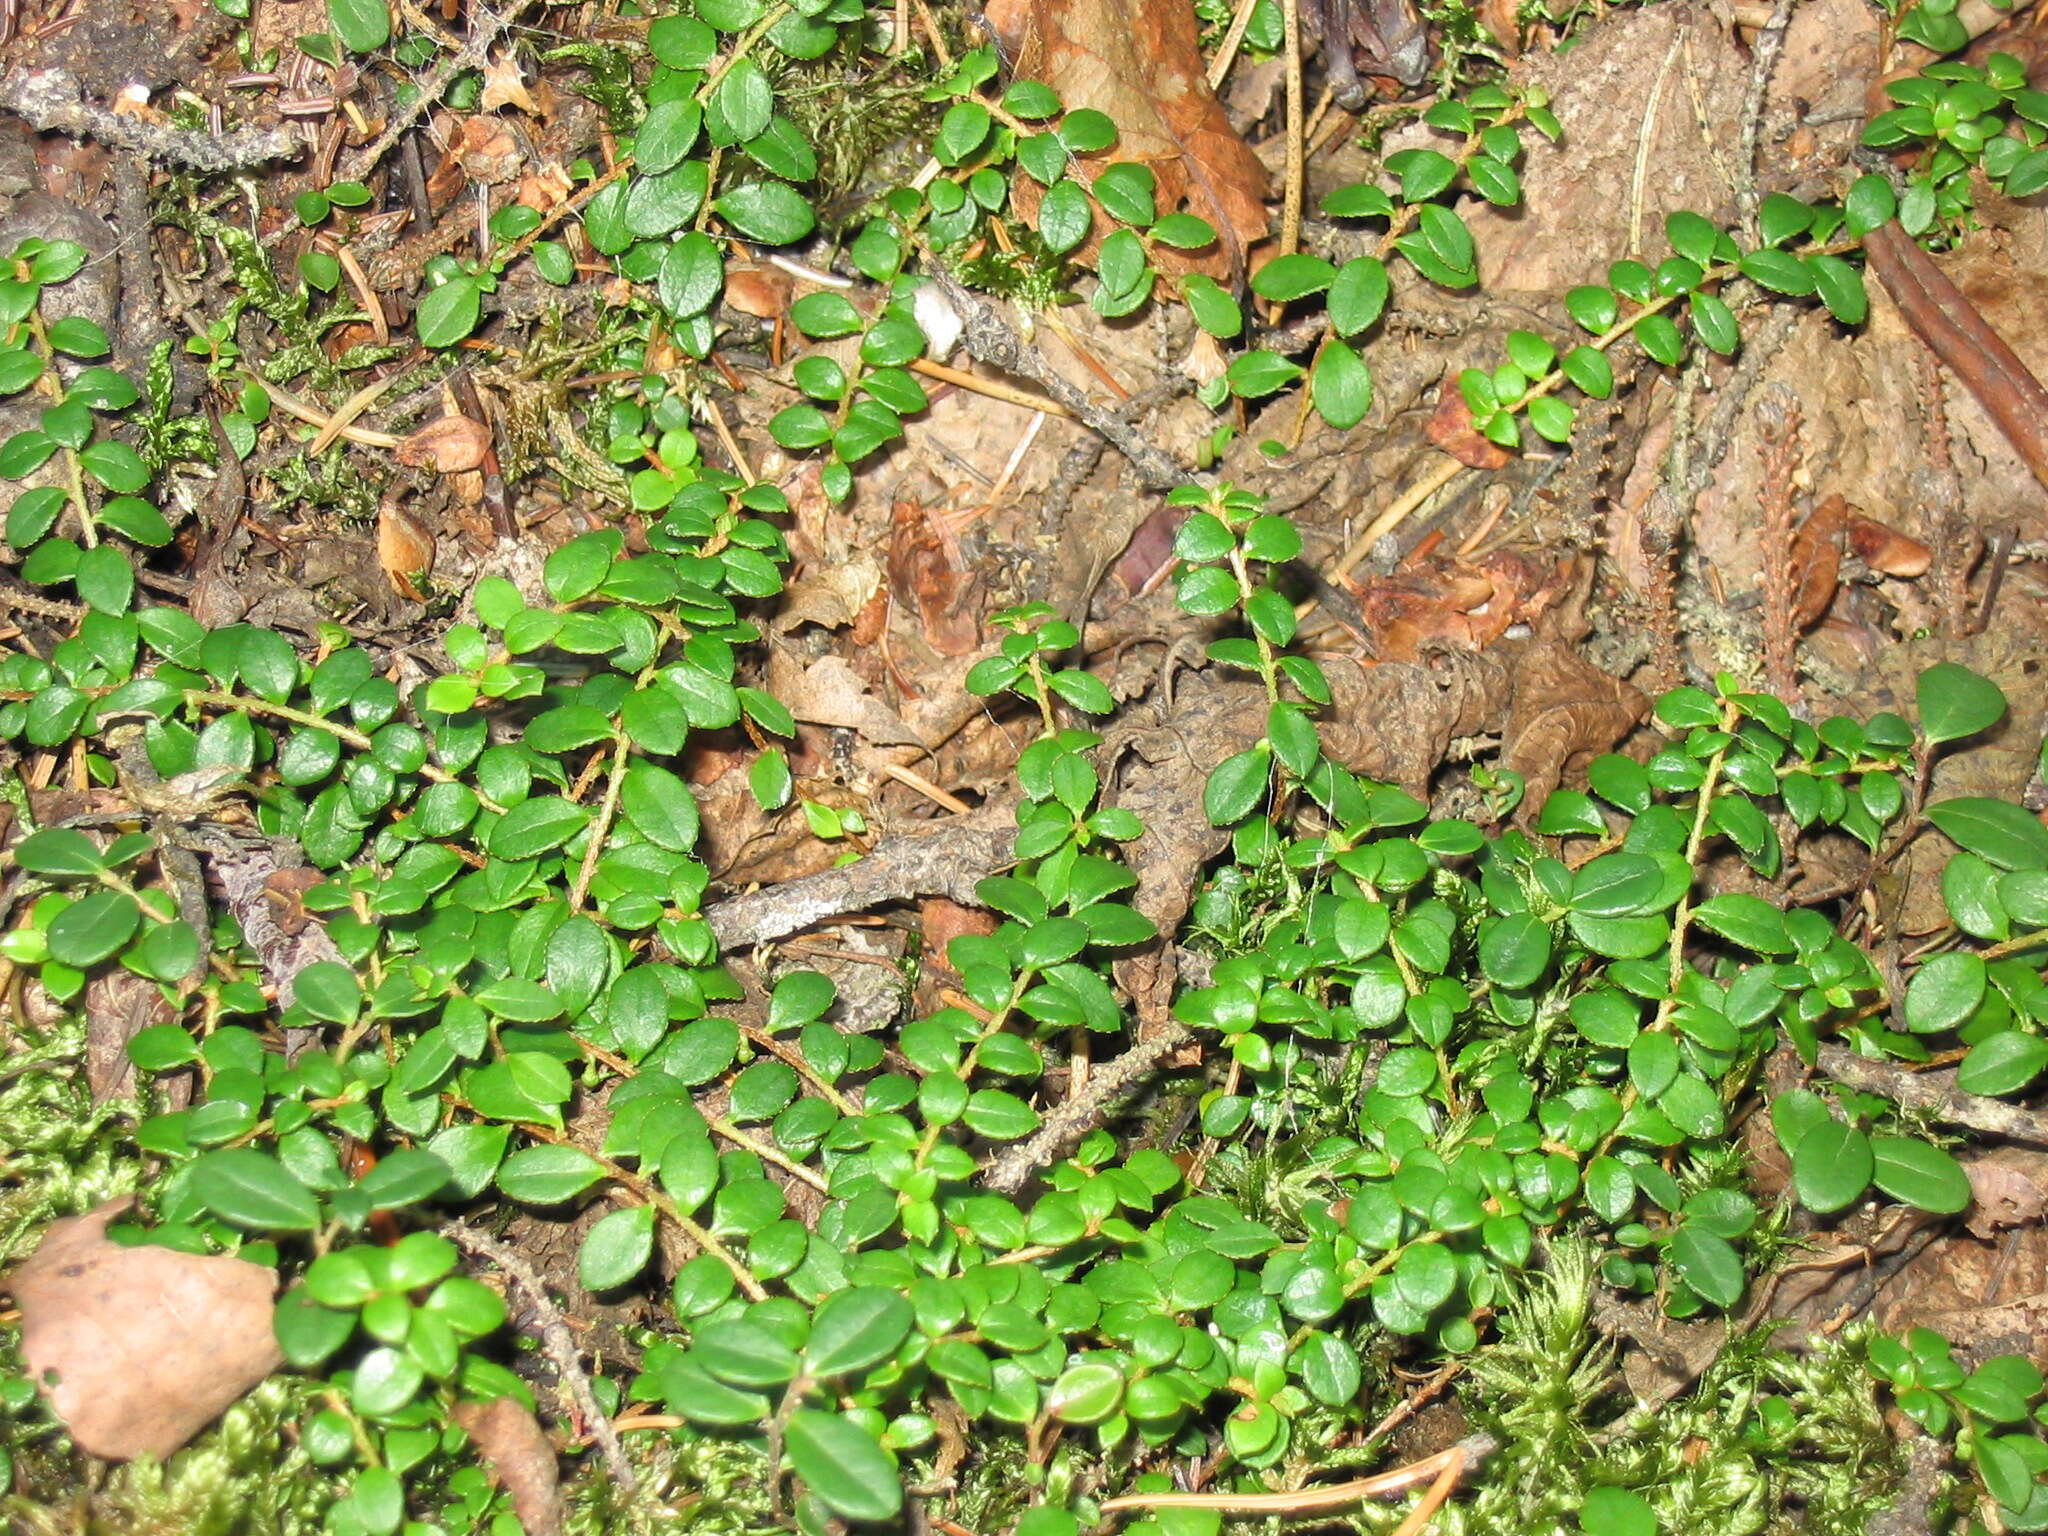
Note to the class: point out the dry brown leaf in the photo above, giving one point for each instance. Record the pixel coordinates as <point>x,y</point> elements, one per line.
<point>942,920</point>
<point>119,1005</point>
<point>2008,1188</point>
<point>925,581</point>
<point>1884,548</point>
<point>1566,711</point>
<point>147,1345</point>
<point>1817,561</point>
<point>404,548</point>
<point>513,1446</point>
<point>504,86</point>
<point>488,151</point>
<point>830,594</point>
<point>1140,62</point>
<point>1451,429</point>
<point>762,292</point>
<point>447,444</point>
<point>829,692</point>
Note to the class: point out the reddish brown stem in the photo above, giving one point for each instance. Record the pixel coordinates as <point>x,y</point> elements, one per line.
<point>1960,336</point>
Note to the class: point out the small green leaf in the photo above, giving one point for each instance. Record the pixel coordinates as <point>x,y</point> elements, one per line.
<point>616,1249</point>
<point>842,1465</point>
<point>1956,702</point>
<point>1920,1174</point>
<point>362,25</point>
<point>2003,1063</point>
<point>1236,786</point>
<point>1832,1164</point>
<point>772,212</point>
<point>856,1328</point>
<point>2005,834</point>
<point>1708,1263</point>
<point>253,1189</point>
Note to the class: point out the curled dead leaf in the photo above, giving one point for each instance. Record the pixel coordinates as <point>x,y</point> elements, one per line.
<point>138,1349</point>
<point>488,151</point>
<point>544,189</point>
<point>1205,362</point>
<point>1885,549</point>
<point>1817,561</point>
<point>447,444</point>
<point>504,86</point>
<point>513,1446</point>
<point>404,548</point>
<point>762,292</point>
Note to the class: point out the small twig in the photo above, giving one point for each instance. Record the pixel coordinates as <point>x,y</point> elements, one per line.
<point>924,786</point>
<point>1770,42</point>
<point>1397,512</point>
<point>1441,1472</point>
<point>51,101</point>
<point>991,340</point>
<point>1936,1093</point>
<point>1107,1086</point>
<point>485,27</point>
<point>1777,419</point>
<point>1970,346</point>
<point>1646,137</point>
<point>994,389</point>
<point>313,416</point>
<point>1996,561</point>
<point>1226,51</point>
<point>947,861</point>
<point>1290,214</point>
<point>555,1338</point>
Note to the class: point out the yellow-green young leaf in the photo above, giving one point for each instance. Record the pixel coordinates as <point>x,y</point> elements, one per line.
<point>842,1466</point>
<point>1616,1512</point>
